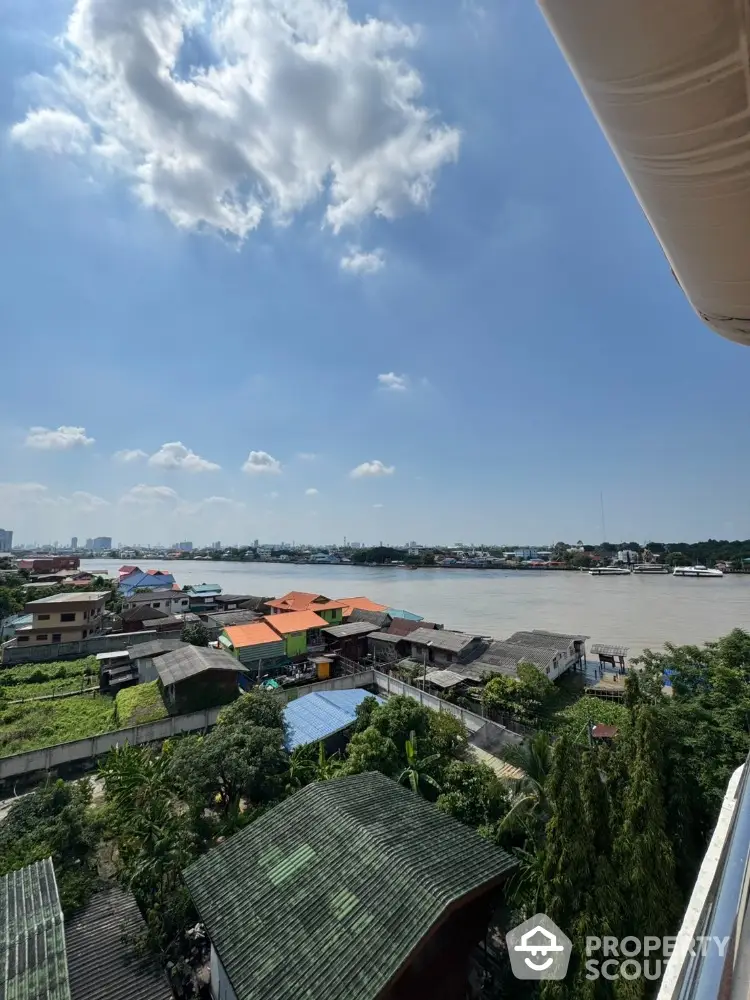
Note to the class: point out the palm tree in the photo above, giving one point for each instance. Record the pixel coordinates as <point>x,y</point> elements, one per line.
<point>528,799</point>
<point>416,770</point>
<point>303,768</point>
<point>327,767</point>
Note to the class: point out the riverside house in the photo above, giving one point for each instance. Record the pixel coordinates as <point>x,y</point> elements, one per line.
<point>300,630</point>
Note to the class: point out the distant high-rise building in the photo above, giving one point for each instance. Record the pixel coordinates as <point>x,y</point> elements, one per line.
<point>101,544</point>
<point>215,546</point>
<point>255,543</point>
<point>6,540</point>
<point>74,542</point>
<point>184,546</point>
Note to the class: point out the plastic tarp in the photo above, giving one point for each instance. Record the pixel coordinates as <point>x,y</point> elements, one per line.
<point>669,83</point>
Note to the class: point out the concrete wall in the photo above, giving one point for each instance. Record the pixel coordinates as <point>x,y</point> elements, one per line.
<point>13,655</point>
<point>97,746</point>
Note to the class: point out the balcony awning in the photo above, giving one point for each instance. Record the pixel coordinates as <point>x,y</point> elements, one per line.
<point>669,83</point>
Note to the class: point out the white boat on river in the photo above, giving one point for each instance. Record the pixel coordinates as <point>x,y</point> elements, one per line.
<point>610,571</point>
<point>696,571</point>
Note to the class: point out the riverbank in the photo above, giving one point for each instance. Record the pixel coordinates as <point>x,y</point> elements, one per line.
<point>637,611</point>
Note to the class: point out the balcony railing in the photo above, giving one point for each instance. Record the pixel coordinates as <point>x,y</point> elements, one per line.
<point>718,911</point>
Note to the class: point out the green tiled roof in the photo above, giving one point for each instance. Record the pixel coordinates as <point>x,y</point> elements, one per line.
<point>33,964</point>
<point>325,896</point>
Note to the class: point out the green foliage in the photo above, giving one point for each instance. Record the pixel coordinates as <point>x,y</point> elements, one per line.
<point>574,720</point>
<point>378,555</point>
<point>370,750</point>
<point>256,708</point>
<point>43,723</point>
<point>47,673</point>
<point>398,718</point>
<point>529,808</point>
<point>364,711</point>
<point>473,794</point>
<point>139,704</point>
<point>54,821</point>
<point>524,698</point>
<point>419,770</point>
<point>12,601</point>
<point>196,634</point>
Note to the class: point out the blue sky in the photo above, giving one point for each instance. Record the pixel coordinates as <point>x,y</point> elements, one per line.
<point>217,233</point>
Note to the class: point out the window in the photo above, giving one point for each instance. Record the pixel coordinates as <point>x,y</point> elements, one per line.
<point>22,638</point>
<point>43,618</point>
<point>156,604</point>
<point>57,637</point>
<point>68,616</point>
<point>42,637</point>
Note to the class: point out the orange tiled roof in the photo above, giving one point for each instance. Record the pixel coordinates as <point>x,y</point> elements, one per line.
<point>251,635</point>
<point>295,621</point>
<point>361,604</point>
<point>295,600</point>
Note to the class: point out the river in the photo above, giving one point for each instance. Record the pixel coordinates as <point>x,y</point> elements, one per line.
<point>635,611</point>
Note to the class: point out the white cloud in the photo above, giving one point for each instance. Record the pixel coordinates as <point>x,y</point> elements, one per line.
<point>175,455</point>
<point>306,456</point>
<point>312,492</point>
<point>129,455</point>
<point>374,468</point>
<point>261,462</point>
<point>301,103</point>
<point>15,493</point>
<point>362,261</point>
<point>273,495</point>
<point>210,503</point>
<point>143,494</point>
<point>88,502</point>
<point>377,506</point>
<point>62,439</point>
<point>55,131</point>
<point>393,382</point>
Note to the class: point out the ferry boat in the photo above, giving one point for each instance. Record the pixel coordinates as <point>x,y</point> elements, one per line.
<point>650,569</point>
<point>610,571</point>
<point>696,571</point>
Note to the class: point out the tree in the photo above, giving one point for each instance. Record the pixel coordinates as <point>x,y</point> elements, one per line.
<point>473,794</point>
<point>398,718</point>
<point>446,735</point>
<point>364,711</point>
<point>642,851</point>
<point>528,801</point>
<point>195,633</point>
<point>417,771</point>
<point>369,750</point>
<point>256,708</point>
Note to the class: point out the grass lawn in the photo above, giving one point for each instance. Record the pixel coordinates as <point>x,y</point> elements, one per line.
<point>137,705</point>
<point>36,679</point>
<point>43,723</point>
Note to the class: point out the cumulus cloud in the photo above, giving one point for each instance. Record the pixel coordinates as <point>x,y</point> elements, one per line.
<point>144,494</point>
<point>129,455</point>
<point>261,462</point>
<point>393,382</point>
<point>374,468</point>
<point>14,493</point>
<point>88,502</point>
<point>175,455</point>
<point>53,130</point>
<point>290,103</point>
<point>363,262</point>
<point>62,439</point>
<point>312,492</point>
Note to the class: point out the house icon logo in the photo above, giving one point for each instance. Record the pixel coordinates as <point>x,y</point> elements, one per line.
<point>538,949</point>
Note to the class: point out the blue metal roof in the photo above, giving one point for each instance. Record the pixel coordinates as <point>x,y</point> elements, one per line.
<point>400,613</point>
<point>314,717</point>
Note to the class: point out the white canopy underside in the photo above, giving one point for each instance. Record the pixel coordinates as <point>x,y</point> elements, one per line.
<point>669,83</point>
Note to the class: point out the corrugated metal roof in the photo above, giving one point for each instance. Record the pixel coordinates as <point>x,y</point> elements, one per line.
<point>408,615</point>
<point>453,642</point>
<point>240,616</point>
<point>254,634</point>
<point>386,637</point>
<point>295,621</point>
<point>350,629</point>
<point>193,660</point>
<point>605,650</point>
<point>101,965</point>
<point>314,717</point>
<point>328,894</point>
<point>33,963</point>
<point>156,647</point>
<point>444,678</point>
<point>379,618</point>
<point>404,626</point>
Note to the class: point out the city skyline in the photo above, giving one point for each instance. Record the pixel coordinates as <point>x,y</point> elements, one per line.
<point>391,305</point>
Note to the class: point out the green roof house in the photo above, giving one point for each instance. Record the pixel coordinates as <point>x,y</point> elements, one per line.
<point>353,889</point>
